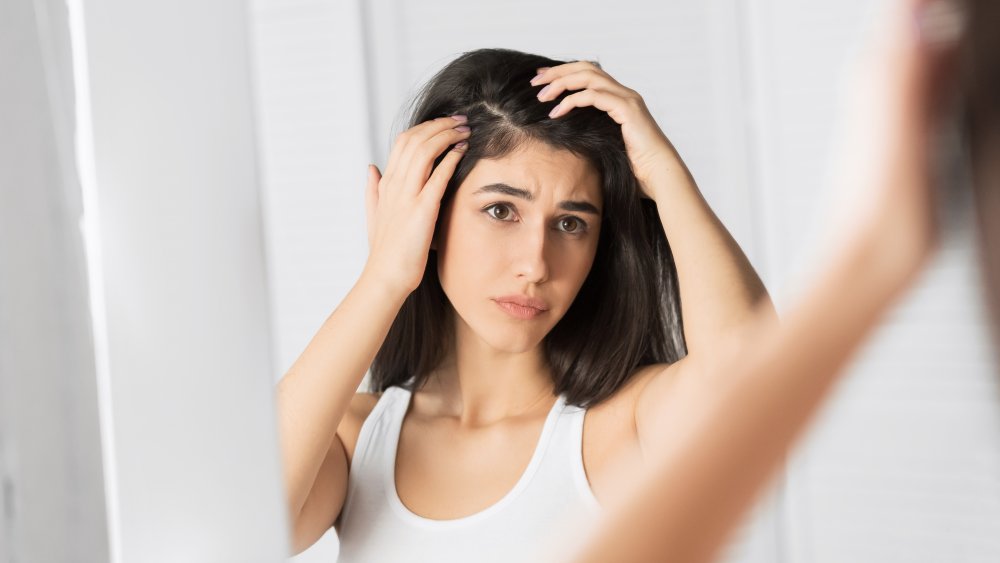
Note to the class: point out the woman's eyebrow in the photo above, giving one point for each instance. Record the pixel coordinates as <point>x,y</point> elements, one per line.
<point>501,188</point>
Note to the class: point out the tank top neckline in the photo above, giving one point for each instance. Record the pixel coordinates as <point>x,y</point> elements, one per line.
<point>389,470</point>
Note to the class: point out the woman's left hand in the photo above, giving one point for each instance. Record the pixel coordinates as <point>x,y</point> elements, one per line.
<point>649,150</point>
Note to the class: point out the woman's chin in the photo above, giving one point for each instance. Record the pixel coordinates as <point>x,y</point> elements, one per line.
<point>512,341</point>
<point>504,333</point>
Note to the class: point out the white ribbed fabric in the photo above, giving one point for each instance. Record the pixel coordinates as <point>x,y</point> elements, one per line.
<point>550,505</point>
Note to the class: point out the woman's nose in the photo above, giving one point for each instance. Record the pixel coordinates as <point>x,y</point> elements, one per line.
<point>531,263</point>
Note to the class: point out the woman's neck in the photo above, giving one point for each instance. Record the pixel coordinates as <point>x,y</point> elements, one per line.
<point>480,385</point>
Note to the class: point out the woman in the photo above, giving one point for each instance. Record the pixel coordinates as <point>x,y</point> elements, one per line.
<point>519,310</point>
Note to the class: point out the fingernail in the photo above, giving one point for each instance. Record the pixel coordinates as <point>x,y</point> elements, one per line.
<point>463,128</point>
<point>555,111</point>
<point>939,22</point>
<point>460,118</point>
<point>542,92</point>
<point>461,145</point>
<point>538,76</point>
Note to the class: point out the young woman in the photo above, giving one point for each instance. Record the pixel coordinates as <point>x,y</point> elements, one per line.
<point>521,314</point>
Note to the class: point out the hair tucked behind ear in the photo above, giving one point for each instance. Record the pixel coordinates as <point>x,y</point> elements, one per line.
<point>626,314</point>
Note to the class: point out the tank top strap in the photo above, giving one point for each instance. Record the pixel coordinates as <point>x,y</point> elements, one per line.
<point>564,457</point>
<point>377,429</point>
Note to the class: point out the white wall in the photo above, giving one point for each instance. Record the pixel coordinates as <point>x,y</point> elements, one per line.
<point>903,464</point>
<point>313,116</point>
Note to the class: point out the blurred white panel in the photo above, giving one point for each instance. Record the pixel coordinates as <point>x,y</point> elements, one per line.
<point>197,467</point>
<point>52,492</point>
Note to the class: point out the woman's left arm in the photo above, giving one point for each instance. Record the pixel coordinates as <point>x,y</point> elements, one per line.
<point>719,289</point>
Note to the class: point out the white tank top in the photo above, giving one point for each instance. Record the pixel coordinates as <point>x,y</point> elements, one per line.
<point>545,513</point>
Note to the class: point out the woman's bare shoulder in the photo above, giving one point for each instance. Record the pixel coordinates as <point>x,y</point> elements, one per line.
<point>626,395</point>
<point>610,435</point>
<point>615,416</point>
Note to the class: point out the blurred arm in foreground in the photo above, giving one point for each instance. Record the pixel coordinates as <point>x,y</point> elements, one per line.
<point>745,408</point>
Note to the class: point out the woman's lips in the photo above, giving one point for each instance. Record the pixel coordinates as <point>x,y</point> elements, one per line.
<point>519,311</point>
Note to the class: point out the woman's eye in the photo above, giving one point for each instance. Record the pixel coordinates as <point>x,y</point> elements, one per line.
<point>501,215</point>
<point>570,224</point>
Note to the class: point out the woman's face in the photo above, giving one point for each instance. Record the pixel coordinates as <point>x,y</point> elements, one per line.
<point>525,224</point>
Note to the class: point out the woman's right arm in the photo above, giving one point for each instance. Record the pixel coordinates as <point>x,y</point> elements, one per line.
<point>317,391</point>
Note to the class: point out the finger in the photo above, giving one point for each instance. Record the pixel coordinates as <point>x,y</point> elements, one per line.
<point>438,182</point>
<point>425,145</point>
<point>421,158</point>
<point>417,134</point>
<point>551,73</point>
<point>371,199</point>
<point>587,78</point>
<point>617,107</point>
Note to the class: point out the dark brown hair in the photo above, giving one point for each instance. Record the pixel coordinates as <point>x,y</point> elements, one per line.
<point>627,312</point>
<point>980,100</point>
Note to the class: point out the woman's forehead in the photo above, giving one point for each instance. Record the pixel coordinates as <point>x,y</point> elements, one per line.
<point>539,169</point>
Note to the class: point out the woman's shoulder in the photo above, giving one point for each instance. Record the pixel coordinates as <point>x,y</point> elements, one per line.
<point>626,395</point>
<point>613,419</point>
<point>610,433</point>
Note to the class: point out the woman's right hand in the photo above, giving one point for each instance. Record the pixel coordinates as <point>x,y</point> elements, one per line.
<point>402,205</point>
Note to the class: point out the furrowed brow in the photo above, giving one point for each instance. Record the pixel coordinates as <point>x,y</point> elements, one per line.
<point>501,188</point>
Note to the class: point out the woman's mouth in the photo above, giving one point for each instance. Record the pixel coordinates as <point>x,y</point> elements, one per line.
<point>519,311</point>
